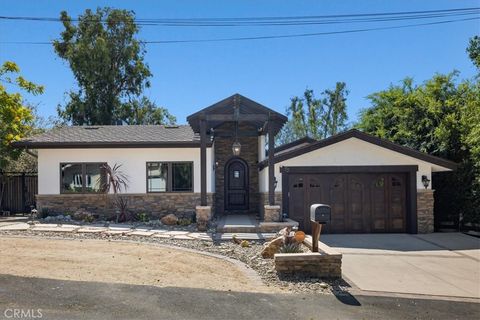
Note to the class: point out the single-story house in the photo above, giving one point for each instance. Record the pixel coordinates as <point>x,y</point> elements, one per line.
<point>218,164</point>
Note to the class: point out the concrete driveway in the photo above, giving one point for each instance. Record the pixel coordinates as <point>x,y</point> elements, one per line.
<point>438,264</point>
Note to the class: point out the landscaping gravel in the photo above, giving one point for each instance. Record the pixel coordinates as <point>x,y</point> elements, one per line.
<point>248,255</point>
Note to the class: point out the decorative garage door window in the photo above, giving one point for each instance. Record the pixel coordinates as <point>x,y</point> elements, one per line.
<point>169,177</point>
<point>81,177</point>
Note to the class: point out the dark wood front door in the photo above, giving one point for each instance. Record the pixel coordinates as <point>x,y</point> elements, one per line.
<point>236,185</point>
<point>361,202</point>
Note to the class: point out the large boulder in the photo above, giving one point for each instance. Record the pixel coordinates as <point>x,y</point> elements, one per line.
<point>169,219</point>
<point>272,247</point>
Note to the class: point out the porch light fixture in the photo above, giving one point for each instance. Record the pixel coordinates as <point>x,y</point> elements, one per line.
<point>236,148</point>
<point>425,181</point>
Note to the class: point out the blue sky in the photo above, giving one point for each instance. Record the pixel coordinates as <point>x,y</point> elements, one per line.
<point>187,77</point>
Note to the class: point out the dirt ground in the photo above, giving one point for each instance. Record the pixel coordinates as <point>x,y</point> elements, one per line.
<point>121,262</point>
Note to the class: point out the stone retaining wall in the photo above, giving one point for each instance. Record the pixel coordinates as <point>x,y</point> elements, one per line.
<point>312,264</point>
<point>327,263</point>
<point>156,205</point>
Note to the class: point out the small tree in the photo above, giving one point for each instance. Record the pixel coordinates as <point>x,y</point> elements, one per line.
<point>114,180</point>
<point>16,118</point>
<point>317,118</point>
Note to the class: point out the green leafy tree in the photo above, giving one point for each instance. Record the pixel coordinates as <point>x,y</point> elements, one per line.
<point>16,118</point>
<point>473,50</point>
<point>437,117</point>
<point>317,118</point>
<point>108,64</point>
<point>144,111</point>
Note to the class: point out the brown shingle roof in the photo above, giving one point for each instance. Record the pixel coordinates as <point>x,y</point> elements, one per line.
<point>113,136</point>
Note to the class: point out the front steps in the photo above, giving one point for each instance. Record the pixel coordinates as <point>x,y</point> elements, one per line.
<point>247,223</point>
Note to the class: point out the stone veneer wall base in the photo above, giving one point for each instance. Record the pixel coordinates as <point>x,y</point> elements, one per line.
<point>157,205</point>
<point>425,217</point>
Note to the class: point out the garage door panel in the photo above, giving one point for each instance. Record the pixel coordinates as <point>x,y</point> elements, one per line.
<point>297,194</point>
<point>378,200</point>
<point>397,203</point>
<point>338,203</point>
<point>356,204</point>
<point>361,202</point>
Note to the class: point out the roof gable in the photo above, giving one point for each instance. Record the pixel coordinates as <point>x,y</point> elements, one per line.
<point>246,107</point>
<point>353,133</point>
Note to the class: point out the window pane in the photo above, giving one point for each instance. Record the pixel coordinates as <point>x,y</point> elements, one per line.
<point>157,174</point>
<point>182,177</point>
<point>94,177</point>
<point>71,178</point>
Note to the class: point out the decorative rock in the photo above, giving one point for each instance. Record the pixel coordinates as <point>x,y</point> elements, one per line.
<point>272,247</point>
<point>170,219</point>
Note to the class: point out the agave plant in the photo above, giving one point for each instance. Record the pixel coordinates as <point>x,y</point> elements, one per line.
<point>114,180</point>
<point>291,248</point>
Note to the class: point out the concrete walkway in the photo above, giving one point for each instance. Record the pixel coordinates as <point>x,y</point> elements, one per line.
<point>438,264</point>
<point>126,229</point>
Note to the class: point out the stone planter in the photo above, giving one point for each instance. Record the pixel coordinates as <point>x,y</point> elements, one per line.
<point>327,263</point>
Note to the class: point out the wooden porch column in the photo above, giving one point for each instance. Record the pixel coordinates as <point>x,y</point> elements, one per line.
<point>271,165</point>
<point>203,162</point>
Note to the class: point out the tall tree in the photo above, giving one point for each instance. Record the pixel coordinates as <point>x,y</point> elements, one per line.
<point>16,117</point>
<point>437,117</point>
<point>108,64</point>
<point>335,115</point>
<point>317,118</point>
<point>473,50</point>
<point>144,111</point>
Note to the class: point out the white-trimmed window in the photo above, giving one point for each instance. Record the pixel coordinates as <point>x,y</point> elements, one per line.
<point>169,177</point>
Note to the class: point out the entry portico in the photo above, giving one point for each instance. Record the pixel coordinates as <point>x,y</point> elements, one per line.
<point>237,127</point>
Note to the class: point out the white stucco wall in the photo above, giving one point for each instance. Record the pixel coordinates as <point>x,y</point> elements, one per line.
<point>351,152</point>
<point>133,163</point>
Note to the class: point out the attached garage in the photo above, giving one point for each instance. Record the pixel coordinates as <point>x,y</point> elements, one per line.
<point>372,185</point>
<point>363,199</point>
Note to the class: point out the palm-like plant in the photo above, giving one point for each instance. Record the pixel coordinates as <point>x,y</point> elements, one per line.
<point>114,180</point>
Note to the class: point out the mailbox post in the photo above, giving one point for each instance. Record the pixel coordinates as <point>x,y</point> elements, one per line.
<point>319,214</point>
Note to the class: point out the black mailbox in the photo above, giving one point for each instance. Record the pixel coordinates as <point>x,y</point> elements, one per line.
<point>320,213</point>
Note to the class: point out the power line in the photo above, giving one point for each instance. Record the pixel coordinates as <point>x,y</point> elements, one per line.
<point>274,36</point>
<point>308,34</point>
<point>280,21</point>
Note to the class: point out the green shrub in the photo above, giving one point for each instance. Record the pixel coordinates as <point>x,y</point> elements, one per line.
<point>142,217</point>
<point>184,222</point>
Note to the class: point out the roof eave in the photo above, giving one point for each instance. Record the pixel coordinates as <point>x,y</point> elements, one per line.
<point>99,145</point>
<point>353,133</point>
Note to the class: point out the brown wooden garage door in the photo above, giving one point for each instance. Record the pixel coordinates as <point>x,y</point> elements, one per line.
<point>361,202</point>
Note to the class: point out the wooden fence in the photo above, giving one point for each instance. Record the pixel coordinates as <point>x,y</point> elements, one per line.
<point>19,190</point>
